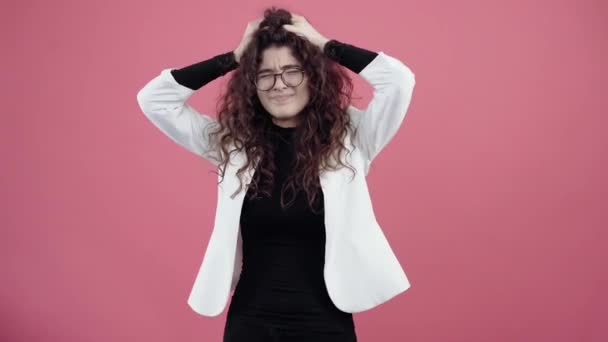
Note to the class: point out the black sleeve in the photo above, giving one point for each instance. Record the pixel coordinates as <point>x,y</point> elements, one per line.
<point>197,75</point>
<point>349,56</point>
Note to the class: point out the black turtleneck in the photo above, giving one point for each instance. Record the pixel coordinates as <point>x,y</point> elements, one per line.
<point>283,251</point>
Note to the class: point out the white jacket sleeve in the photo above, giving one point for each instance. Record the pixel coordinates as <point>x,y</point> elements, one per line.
<point>163,102</point>
<point>393,85</point>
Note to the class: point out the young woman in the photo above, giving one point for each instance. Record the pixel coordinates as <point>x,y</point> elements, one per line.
<point>295,237</point>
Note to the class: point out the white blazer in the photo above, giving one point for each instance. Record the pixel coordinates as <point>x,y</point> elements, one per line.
<point>361,271</point>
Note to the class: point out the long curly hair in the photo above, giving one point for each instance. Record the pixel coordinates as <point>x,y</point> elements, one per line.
<point>244,123</point>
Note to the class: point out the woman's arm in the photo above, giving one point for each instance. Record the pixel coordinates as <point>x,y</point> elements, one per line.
<point>197,75</point>
<point>393,84</point>
<point>163,101</point>
<point>349,56</point>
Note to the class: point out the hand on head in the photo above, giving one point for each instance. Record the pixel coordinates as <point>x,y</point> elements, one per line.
<point>252,26</point>
<point>303,28</point>
<point>299,26</point>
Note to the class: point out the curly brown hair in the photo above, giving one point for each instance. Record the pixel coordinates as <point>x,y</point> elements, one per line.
<point>244,122</point>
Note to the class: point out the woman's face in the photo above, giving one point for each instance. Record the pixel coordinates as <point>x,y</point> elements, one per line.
<point>283,101</point>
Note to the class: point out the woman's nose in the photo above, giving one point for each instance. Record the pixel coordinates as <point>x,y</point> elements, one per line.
<point>279,82</point>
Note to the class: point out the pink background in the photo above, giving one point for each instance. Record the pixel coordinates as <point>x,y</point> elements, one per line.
<point>493,193</point>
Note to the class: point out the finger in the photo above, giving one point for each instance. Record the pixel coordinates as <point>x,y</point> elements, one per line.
<point>256,23</point>
<point>252,24</point>
<point>293,29</point>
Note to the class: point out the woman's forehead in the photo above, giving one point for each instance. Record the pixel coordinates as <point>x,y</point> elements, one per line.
<point>277,59</point>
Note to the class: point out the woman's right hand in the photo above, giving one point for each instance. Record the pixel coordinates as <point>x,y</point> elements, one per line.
<point>252,26</point>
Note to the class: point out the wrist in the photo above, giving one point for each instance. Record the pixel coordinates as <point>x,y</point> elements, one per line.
<point>322,42</point>
<point>237,54</point>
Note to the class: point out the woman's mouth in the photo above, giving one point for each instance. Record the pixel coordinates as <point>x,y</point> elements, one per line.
<point>282,99</point>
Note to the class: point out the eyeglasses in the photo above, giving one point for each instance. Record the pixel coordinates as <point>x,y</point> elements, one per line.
<point>291,78</point>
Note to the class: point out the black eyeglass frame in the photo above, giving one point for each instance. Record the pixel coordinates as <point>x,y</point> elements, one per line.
<point>274,79</point>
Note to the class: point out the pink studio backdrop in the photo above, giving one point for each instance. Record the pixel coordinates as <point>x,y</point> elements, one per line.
<point>492,194</point>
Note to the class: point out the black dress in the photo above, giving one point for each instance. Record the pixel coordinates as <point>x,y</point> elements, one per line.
<point>281,293</point>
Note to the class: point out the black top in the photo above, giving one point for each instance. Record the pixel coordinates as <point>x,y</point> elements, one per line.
<point>281,281</point>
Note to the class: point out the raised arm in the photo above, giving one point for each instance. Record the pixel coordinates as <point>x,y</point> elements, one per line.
<point>163,101</point>
<point>393,85</point>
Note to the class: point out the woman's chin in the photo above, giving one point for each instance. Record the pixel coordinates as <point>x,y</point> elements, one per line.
<point>284,115</point>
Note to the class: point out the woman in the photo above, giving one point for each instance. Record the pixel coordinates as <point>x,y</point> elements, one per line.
<point>295,235</point>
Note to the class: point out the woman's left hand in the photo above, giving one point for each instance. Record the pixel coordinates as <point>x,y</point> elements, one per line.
<point>302,28</point>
